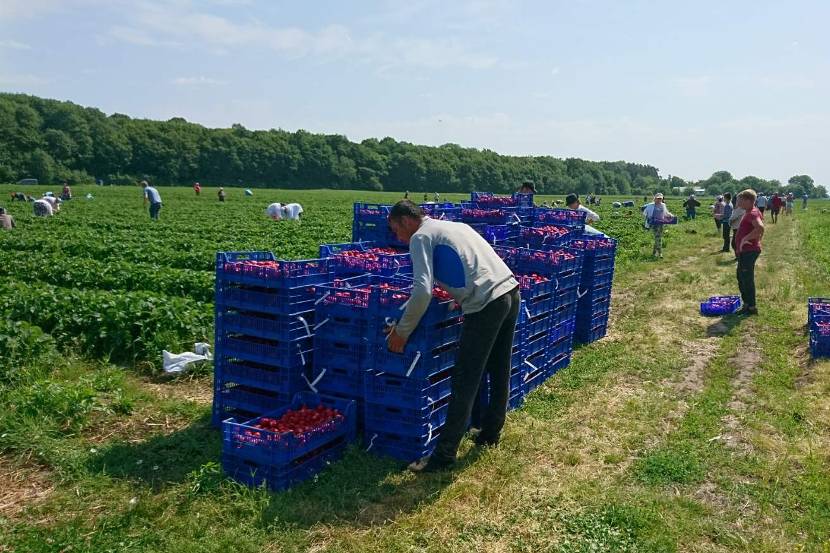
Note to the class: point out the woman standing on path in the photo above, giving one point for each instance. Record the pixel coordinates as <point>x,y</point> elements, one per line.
<point>656,213</point>
<point>748,248</point>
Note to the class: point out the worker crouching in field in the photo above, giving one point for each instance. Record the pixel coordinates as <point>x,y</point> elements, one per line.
<point>453,256</point>
<point>6,220</point>
<point>277,211</point>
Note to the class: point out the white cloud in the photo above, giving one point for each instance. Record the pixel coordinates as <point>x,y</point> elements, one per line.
<point>155,24</point>
<point>14,45</point>
<point>198,81</point>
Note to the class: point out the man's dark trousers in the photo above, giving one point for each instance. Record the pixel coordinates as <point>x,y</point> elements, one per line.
<point>486,345</point>
<point>727,237</point>
<point>746,277</point>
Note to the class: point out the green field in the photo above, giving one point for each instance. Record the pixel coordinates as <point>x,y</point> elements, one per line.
<point>674,433</point>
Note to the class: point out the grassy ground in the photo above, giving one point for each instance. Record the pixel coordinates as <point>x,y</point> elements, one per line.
<point>675,433</point>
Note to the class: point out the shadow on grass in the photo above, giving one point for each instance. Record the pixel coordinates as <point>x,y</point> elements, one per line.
<point>725,262</point>
<point>724,325</point>
<point>162,459</point>
<point>359,490</point>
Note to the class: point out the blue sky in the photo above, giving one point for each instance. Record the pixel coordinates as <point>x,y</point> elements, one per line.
<point>690,87</point>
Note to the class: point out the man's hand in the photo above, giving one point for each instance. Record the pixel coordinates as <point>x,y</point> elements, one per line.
<point>394,341</point>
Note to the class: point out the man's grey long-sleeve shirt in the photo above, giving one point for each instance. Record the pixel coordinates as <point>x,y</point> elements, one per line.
<point>456,258</point>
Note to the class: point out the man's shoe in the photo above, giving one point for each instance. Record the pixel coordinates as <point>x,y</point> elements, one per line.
<point>746,311</point>
<point>430,464</point>
<point>482,441</point>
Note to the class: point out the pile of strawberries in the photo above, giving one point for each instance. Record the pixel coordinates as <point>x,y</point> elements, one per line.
<point>300,424</point>
<point>548,231</point>
<point>528,281</point>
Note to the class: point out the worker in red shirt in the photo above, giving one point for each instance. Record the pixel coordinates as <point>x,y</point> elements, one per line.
<point>748,248</point>
<point>776,204</point>
<point>197,188</point>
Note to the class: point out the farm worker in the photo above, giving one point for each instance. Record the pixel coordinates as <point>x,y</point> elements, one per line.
<point>292,211</point>
<point>718,211</point>
<point>54,202</point>
<point>654,213</point>
<point>775,206</point>
<point>89,196</point>
<point>425,198</point>
<point>152,196</point>
<point>572,201</point>
<point>42,208</point>
<point>406,195</point>
<point>66,193</point>
<point>527,187</point>
<point>457,259</point>
<point>197,188</point>
<point>734,222</point>
<point>274,211</point>
<point>748,248</point>
<point>788,203</point>
<point>691,204</point>
<point>221,194</point>
<point>727,214</point>
<point>249,192</point>
<point>761,202</point>
<point>436,197</point>
<point>6,221</point>
<point>804,199</point>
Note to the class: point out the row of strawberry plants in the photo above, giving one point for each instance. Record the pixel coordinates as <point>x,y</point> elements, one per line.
<point>77,272</point>
<point>123,326</point>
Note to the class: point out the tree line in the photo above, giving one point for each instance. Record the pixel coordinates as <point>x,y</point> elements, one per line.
<point>55,141</point>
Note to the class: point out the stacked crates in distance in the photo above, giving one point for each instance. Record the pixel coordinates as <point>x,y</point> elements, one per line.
<point>407,394</point>
<point>361,258</point>
<point>595,286</point>
<point>264,320</point>
<point>370,224</point>
<point>818,319</point>
<point>289,444</point>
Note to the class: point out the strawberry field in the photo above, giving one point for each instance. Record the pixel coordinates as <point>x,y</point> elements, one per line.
<point>107,282</point>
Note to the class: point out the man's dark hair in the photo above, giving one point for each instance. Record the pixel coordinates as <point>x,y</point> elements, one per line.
<point>727,196</point>
<point>406,208</point>
<point>529,185</point>
<point>2,210</point>
<point>571,198</point>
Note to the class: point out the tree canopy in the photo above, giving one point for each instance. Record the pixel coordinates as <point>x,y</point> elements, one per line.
<point>52,140</point>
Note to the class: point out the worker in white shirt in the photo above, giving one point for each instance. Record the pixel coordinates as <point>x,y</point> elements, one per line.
<point>572,201</point>
<point>277,211</point>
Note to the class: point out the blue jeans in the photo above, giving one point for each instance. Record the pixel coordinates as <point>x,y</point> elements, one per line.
<point>154,211</point>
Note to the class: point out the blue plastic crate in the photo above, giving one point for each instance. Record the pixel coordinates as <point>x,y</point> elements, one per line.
<point>404,421</point>
<point>473,213</point>
<point>238,267</point>
<point>232,399</point>
<point>378,232</point>
<point>561,217</point>
<point>337,381</point>
<point>536,237</point>
<point>402,447</point>
<point>817,306</point>
<point>562,313</point>
<point>288,301</point>
<point>720,305</point>
<point>371,213</point>
<point>587,335</point>
<point>500,234</point>
<point>598,280</point>
<point>281,478</point>
<point>244,440</point>
<point>819,325</point>
<point>266,325</point>
<point>342,354</point>
<point>388,389</point>
<point>516,400</point>
<point>373,260</point>
<point>556,262</point>
<point>266,377</point>
<point>413,362</point>
<point>442,211</point>
<point>558,362</point>
<point>332,327</point>
<point>280,353</point>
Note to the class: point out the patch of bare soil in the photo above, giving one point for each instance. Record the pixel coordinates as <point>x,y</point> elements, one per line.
<point>21,487</point>
<point>197,390</point>
<point>747,361</point>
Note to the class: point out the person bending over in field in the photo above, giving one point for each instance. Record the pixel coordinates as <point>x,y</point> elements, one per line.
<point>152,196</point>
<point>221,194</point>
<point>454,257</point>
<point>6,221</point>
<point>42,208</point>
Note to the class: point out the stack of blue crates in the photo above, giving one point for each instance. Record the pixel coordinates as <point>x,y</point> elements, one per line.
<point>370,224</point>
<point>818,320</point>
<point>264,322</point>
<point>256,456</point>
<point>595,286</point>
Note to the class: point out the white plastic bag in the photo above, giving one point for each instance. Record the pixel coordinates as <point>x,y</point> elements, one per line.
<point>174,363</point>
